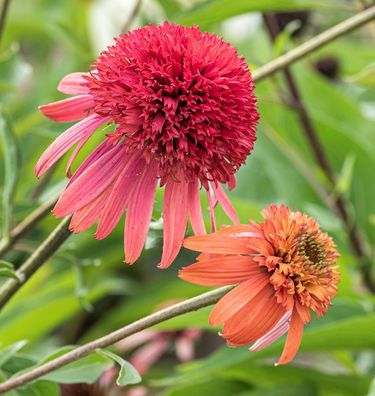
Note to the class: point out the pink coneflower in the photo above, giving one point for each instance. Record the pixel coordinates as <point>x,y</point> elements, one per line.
<point>185,114</point>
<point>284,268</point>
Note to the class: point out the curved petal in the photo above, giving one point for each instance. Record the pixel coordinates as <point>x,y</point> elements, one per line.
<point>274,334</point>
<point>218,243</point>
<point>82,130</point>
<point>87,216</point>
<point>237,298</point>
<point>293,340</point>
<point>82,142</point>
<point>175,219</point>
<point>195,210</point>
<point>138,216</point>
<point>211,207</point>
<point>150,353</point>
<point>74,83</point>
<point>221,271</point>
<point>91,183</point>
<point>225,203</point>
<point>67,110</point>
<point>119,197</point>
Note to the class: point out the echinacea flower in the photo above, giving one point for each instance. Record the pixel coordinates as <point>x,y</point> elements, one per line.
<point>284,267</point>
<point>184,116</point>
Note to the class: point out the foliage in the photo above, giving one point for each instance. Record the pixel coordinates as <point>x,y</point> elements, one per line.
<point>85,290</point>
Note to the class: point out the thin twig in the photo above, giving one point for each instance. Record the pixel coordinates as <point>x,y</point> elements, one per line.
<point>315,43</point>
<point>3,15</point>
<point>133,14</point>
<point>321,157</point>
<point>35,261</point>
<point>27,224</point>
<point>192,304</point>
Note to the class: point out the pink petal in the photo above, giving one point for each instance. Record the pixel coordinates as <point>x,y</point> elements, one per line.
<point>146,356</point>
<point>275,333</point>
<point>82,130</point>
<point>136,339</point>
<point>195,211</point>
<point>225,203</point>
<point>87,216</point>
<point>211,206</point>
<point>91,183</point>
<point>185,343</point>
<point>102,149</point>
<point>175,219</point>
<point>138,216</point>
<point>74,83</point>
<point>119,198</point>
<point>67,110</point>
<point>231,184</point>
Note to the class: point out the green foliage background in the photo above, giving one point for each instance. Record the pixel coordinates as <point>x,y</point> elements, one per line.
<point>85,290</point>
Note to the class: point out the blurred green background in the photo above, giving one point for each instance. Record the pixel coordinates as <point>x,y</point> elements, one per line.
<point>85,290</point>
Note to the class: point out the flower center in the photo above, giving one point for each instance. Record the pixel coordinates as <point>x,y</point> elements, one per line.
<point>312,250</point>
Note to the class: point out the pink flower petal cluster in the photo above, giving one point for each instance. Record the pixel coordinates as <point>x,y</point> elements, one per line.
<point>184,115</point>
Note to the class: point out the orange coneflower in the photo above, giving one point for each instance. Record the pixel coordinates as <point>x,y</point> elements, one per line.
<point>285,267</point>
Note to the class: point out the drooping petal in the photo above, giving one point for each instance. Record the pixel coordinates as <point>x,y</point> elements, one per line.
<point>119,197</point>
<point>87,216</point>
<point>150,353</point>
<point>184,344</point>
<point>102,149</point>
<point>211,207</point>
<point>262,315</point>
<point>225,203</point>
<point>175,219</point>
<point>66,140</point>
<point>218,243</point>
<point>231,185</point>
<point>293,340</point>
<point>136,339</point>
<point>274,334</point>
<point>74,83</point>
<point>138,216</point>
<point>76,151</point>
<point>67,110</point>
<point>221,271</point>
<point>195,210</point>
<point>237,298</point>
<point>91,183</point>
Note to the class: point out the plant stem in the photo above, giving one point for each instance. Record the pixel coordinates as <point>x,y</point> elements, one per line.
<point>26,225</point>
<point>132,16</point>
<point>3,14</point>
<point>192,304</point>
<point>315,43</point>
<point>321,157</point>
<point>41,254</point>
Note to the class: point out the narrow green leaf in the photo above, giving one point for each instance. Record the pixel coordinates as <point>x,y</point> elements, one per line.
<point>128,374</point>
<point>11,167</point>
<point>10,351</point>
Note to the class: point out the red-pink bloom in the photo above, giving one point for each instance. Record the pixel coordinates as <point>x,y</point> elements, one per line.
<point>284,267</point>
<point>185,114</point>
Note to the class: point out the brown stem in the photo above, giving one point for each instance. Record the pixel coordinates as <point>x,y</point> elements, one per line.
<point>322,159</point>
<point>133,14</point>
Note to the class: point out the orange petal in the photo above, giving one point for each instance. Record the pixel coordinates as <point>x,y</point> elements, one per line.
<point>216,243</point>
<point>237,298</point>
<point>220,271</point>
<point>293,339</point>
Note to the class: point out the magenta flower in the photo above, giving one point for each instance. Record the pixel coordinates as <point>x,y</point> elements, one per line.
<point>185,114</point>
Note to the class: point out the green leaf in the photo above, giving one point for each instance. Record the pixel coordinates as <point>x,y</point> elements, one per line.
<point>7,271</point>
<point>128,373</point>
<point>11,167</point>
<point>366,77</point>
<point>40,388</point>
<point>10,351</point>
<point>217,10</point>
<point>87,369</point>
